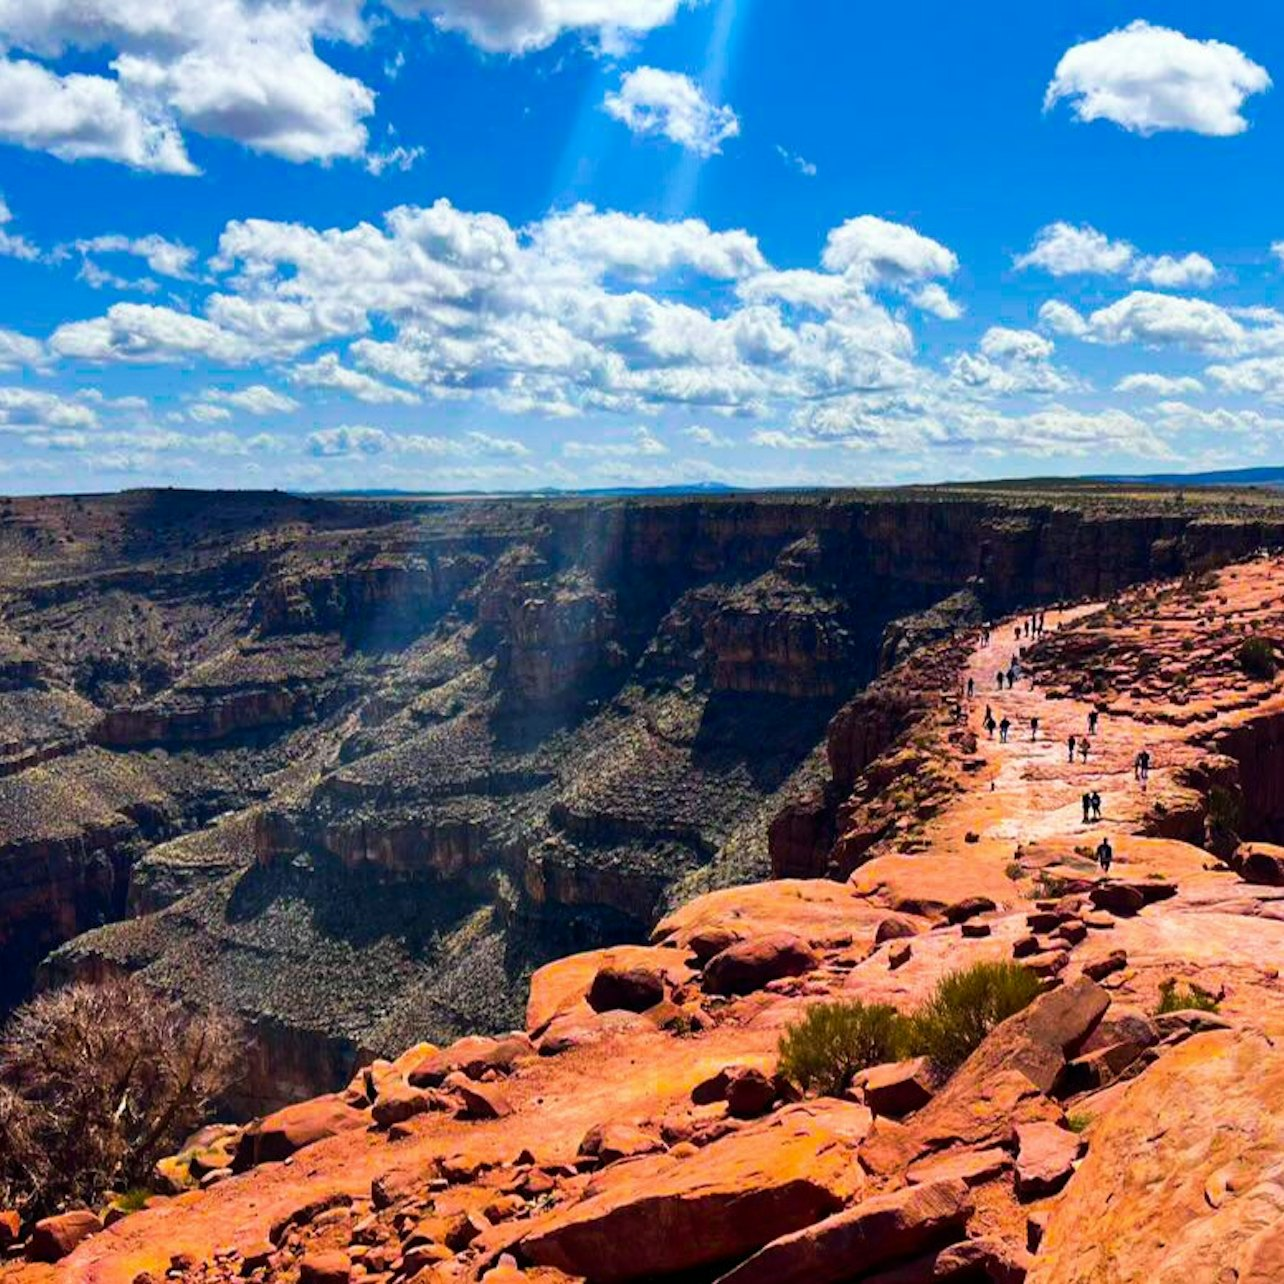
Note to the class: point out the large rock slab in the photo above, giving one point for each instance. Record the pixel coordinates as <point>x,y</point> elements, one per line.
<point>661,1215</point>
<point>279,1135</point>
<point>852,1243</point>
<point>1184,1177</point>
<point>750,965</point>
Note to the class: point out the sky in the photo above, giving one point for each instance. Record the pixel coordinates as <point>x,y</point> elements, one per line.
<point>510,244</point>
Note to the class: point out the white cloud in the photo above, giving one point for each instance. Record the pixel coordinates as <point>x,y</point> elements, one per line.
<point>402,159</point>
<point>653,102</point>
<point>257,399</point>
<point>800,163</point>
<point>163,256</point>
<point>1061,249</point>
<point>1001,343</point>
<point>518,26</point>
<point>485,444</point>
<point>25,410</point>
<point>1162,320</point>
<point>1259,376</point>
<point>708,438</point>
<point>936,299</point>
<point>642,443</point>
<point>142,333</point>
<point>79,117</point>
<point>205,413</point>
<point>1146,79</point>
<point>18,350</point>
<point>881,252</point>
<point>329,372</point>
<point>11,245</point>
<point>348,440</point>
<point>1158,385</point>
<point>1061,318</point>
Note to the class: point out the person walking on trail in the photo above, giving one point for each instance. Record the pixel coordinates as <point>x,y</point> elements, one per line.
<point>1004,727</point>
<point>1087,807</point>
<point>1084,745</point>
<point>989,724</point>
<point>1000,679</point>
<point>1092,722</point>
<point>1070,744</point>
<point>1034,728</point>
<point>1105,855</point>
<point>1096,805</point>
<point>1141,768</point>
<point>971,687</point>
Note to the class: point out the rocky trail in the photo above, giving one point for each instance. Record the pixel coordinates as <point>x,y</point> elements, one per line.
<point>635,1129</point>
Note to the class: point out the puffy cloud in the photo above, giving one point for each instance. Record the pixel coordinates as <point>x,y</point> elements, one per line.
<point>881,252</point>
<point>11,245</point>
<point>1159,385</point>
<point>484,443</point>
<point>19,350</point>
<point>162,256</point>
<point>1061,318</point>
<point>26,410</point>
<point>1147,78</point>
<point>642,249</point>
<point>346,440</point>
<point>257,399</point>
<point>204,412</point>
<point>1061,249</point>
<point>142,333</point>
<point>80,117</point>
<point>652,102</point>
<point>329,372</point>
<point>1001,343</point>
<point>1259,376</point>
<point>708,438</point>
<point>518,26</point>
<point>936,299</point>
<point>1162,320</point>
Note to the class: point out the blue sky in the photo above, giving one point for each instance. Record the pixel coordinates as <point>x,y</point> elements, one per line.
<point>499,244</point>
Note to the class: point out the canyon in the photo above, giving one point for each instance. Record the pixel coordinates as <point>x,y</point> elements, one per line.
<point>355,769</point>
<point>632,1123</point>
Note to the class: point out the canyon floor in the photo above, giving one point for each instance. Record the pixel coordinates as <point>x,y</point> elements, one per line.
<point>633,1129</point>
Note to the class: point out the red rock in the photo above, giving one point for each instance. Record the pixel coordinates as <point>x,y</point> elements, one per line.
<point>605,1143</point>
<point>749,1092</point>
<point>1046,1155</point>
<point>894,927</point>
<point>1048,963</point>
<point>975,1167</point>
<point>397,1102</point>
<point>851,1244</point>
<point>54,1238</point>
<point>281,1134</point>
<point>1099,969</point>
<point>480,1101</point>
<point>976,931</point>
<point>750,965</point>
<point>10,1228</point>
<point>897,1089</point>
<point>969,908</point>
<point>1261,863</point>
<point>1024,946</point>
<point>1120,899</point>
<point>632,989</point>
<point>474,1056</point>
<point>898,955</point>
<point>325,1268</point>
<point>659,1215</point>
<point>712,940</point>
<point>1073,930</point>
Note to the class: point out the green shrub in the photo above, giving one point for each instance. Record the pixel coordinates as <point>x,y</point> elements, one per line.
<point>1078,1121</point>
<point>835,1040</point>
<point>133,1200</point>
<point>1257,658</point>
<point>1185,998</point>
<point>966,1006</point>
<point>1015,870</point>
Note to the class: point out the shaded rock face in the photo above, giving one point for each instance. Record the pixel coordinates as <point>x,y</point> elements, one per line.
<point>354,770</point>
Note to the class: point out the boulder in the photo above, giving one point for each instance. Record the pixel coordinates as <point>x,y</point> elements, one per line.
<point>1046,1155</point>
<point>397,1102</point>
<point>54,1238</point>
<point>1099,969</point>
<point>1121,899</point>
<point>897,1089</point>
<point>628,989</point>
<point>750,965</point>
<point>851,1244</point>
<point>605,1143</point>
<point>894,927</point>
<point>712,940</point>
<point>1260,863</point>
<point>279,1135</point>
<point>479,1101</point>
<point>969,908</point>
<point>749,1093</point>
<point>10,1228</point>
<point>331,1267</point>
<point>473,1056</point>
<point>990,1259</point>
<point>975,931</point>
<point>661,1215</point>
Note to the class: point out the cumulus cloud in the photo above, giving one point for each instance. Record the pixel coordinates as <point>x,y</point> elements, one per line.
<point>1147,79</point>
<point>17,350</point>
<point>12,245</point>
<point>257,399</point>
<point>882,252</point>
<point>1000,343</point>
<point>162,256</point>
<point>1258,376</point>
<point>329,372</point>
<point>1061,249</point>
<point>518,26</point>
<point>643,442</point>
<point>141,333</point>
<point>1061,318</point>
<point>1162,320</point>
<point>24,411</point>
<point>708,438</point>
<point>667,104</point>
<point>1159,385</point>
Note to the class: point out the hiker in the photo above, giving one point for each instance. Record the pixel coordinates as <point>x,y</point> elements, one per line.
<point>1000,679</point>
<point>1105,855</point>
<point>1087,807</point>
<point>1004,727</point>
<point>1141,768</point>
<point>971,688</point>
<point>989,724</point>
<point>1034,728</point>
<point>1084,746</point>
<point>1092,722</point>
<point>1096,805</point>
<point>1070,744</point>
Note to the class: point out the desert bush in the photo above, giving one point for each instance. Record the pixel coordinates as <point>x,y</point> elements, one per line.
<point>98,1082</point>
<point>965,1007</point>
<point>1185,998</point>
<point>1256,657</point>
<point>833,1041</point>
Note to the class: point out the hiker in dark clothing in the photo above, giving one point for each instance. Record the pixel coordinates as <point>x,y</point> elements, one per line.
<point>1004,727</point>
<point>1087,807</point>
<point>989,724</point>
<point>1084,745</point>
<point>1105,855</point>
<point>1092,722</point>
<point>1034,728</point>
<point>971,688</point>
<point>1000,679</point>
<point>1096,805</point>
<point>1070,744</point>
<point>1142,767</point>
